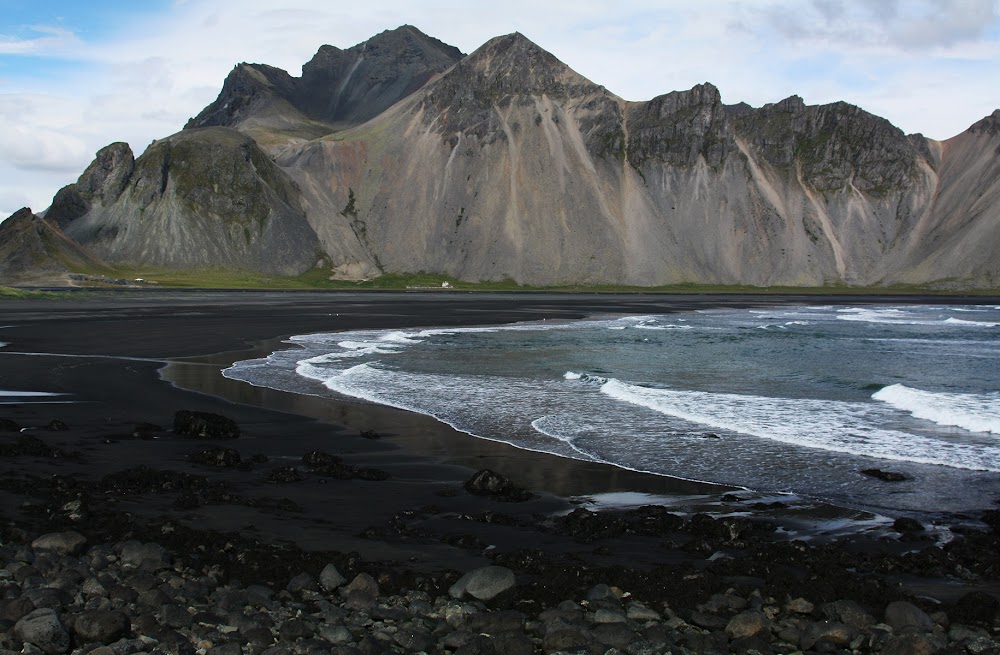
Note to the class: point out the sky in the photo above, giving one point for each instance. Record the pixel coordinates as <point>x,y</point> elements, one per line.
<point>76,76</point>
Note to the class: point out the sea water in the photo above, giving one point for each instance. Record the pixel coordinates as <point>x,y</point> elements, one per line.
<point>791,399</point>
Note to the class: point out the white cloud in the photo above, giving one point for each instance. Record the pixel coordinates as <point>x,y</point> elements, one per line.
<point>46,41</point>
<point>923,64</point>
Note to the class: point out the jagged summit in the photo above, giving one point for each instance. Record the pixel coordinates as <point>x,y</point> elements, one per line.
<point>989,125</point>
<point>504,70</point>
<point>514,64</point>
<point>338,88</point>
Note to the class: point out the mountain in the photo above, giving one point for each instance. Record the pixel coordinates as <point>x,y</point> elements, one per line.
<point>34,251</point>
<point>400,155</point>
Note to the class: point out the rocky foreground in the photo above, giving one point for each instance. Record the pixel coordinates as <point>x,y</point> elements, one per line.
<point>63,594</point>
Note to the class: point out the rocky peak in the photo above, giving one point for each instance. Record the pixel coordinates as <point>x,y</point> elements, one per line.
<point>791,105</point>
<point>357,84</point>
<point>337,86</point>
<point>989,126</point>
<point>679,127</point>
<point>246,88</point>
<point>515,65</point>
<point>103,181</point>
<point>507,69</point>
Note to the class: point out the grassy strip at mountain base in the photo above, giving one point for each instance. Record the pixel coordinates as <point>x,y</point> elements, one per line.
<point>318,279</point>
<point>7,293</point>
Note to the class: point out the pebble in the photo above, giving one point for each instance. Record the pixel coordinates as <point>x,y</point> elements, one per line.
<point>63,596</point>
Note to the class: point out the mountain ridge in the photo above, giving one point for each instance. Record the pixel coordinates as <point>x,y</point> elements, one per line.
<point>399,155</point>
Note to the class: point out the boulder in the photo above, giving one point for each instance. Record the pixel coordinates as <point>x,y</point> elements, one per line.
<point>484,583</point>
<point>101,626</point>
<point>330,578</point>
<point>284,474</point>
<point>905,525</point>
<point>885,476</point>
<point>319,458</point>
<point>205,425</point>
<point>216,456</point>
<point>59,543</point>
<point>976,607</point>
<point>43,629</point>
<point>909,644</point>
<point>903,616</point>
<point>490,483</point>
<point>150,557</point>
<point>828,632</point>
<point>747,624</point>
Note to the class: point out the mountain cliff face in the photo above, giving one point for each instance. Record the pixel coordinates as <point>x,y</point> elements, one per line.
<point>201,198</point>
<point>399,155</point>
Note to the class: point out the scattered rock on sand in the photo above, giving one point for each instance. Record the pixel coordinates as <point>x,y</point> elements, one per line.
<point>905,524</point>
<point>284,474</point>
<point>490,483</point>
<point>319,458</point>
<point>484,583</point>
<point>885,476</point>
<point>205,425</point>
<point>217,456</point>
<point>59,543</point>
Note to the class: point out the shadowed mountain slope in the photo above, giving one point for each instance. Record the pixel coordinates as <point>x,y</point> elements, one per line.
<point>33,250</point>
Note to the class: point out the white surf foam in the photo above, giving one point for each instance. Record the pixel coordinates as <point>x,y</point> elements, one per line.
<point>962,321</point>
<point>834,426</point>
<point>972,412</point>
<point>27,394</point>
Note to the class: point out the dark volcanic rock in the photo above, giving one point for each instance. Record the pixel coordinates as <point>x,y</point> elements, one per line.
<point>216,456</point>
<point>103,626</point>
<point>205,425</point>
<point>44,629</point>
<point>319,458</point>
<point>7,425</point>
<point>284,474</point>
<point>905,524</point>
<point>490,483</point>
<point>976,608</point>
<point>30,446</point>
<point>885,476</point>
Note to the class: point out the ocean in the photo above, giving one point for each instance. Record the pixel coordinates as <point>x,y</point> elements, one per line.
<point>790,400</point>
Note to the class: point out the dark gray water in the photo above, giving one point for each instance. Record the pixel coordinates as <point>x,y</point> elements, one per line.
<point>796,400</point>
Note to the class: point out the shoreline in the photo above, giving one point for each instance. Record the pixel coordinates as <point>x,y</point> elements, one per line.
<point>419,522</point>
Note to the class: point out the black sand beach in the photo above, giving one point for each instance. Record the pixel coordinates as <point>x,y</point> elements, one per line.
<point>111,468</point>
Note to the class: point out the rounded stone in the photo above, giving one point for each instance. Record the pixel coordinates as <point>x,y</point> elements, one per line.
<point>103,626</point>
<point>484,583</point>
<point>59,543</point>
<point>43,629</point>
